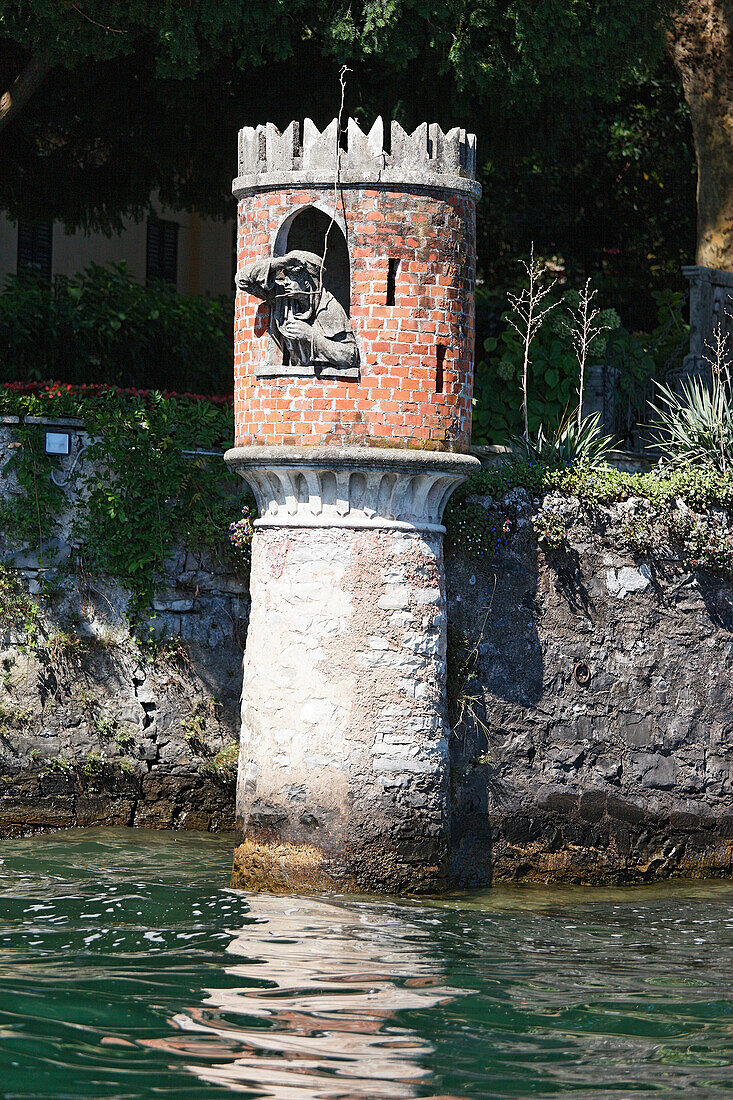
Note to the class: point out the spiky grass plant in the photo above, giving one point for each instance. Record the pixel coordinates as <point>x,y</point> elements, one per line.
<point>573,443</point>
<point>695,425</point>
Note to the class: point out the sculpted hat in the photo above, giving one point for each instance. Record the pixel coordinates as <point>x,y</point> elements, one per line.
<point>310,261</point>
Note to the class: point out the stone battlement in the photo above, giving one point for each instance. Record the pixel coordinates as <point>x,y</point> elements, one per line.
<point>426,157</point>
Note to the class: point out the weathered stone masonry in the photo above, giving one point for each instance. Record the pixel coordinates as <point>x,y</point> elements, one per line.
<point>604,681</point>
<point>93,731</point>
<point>344,763</point>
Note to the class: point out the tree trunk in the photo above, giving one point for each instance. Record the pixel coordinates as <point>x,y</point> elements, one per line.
<point>21,90</point>
<point>700,41</point>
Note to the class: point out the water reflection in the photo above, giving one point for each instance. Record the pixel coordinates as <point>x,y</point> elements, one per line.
<point>315,1015</point>
<point>116,982</point>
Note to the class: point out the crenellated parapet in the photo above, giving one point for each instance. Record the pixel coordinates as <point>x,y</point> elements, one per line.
<point>427,157</point>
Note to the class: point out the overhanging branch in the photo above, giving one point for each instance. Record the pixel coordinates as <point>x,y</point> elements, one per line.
<point>21,90</point>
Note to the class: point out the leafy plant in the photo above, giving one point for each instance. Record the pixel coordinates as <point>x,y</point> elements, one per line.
<point>223,766</point>
<point>640,534</point>
<point>706,542</point>
<point>172,652</point>
<point>124,738</point>
<point>551,527</point>
<point>30,515</point>
<point>240,534</point>
<point>18,609</point>
<point>104,324</point>
<point>700,488</point>
<point>477,530</point>
<point>60,764</point>
<point>144,493</point>
<point>194,733</point>
<point>93,766</point>
<point>14,717</point>
<point>552,375</point>
<point>573,443</point>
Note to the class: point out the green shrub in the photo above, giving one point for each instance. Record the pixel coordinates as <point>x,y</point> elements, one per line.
<point>553,369</point>
<point>103,326</point>
<point>552,383</point>
<point>703,540</point>
<point>144,495</point>
<point>223,767</point>
<point>551,527</point>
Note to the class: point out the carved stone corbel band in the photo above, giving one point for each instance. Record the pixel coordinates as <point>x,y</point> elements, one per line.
<point>357,487</point>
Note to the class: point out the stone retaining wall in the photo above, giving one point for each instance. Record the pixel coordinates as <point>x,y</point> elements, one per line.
<point>94,729</point>
<point>605,746</point>
<point>602,686</point>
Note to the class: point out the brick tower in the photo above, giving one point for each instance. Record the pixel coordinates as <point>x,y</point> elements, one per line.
<point>353,386</point>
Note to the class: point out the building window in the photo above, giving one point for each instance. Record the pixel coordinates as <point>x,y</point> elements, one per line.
<point>35,248</point>
<point>162,251</point>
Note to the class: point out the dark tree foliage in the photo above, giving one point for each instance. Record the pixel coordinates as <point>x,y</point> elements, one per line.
<point>581,130</point>
<point>612,198</point>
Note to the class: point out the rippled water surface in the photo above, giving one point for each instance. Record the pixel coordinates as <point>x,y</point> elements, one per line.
<point>129,969</point>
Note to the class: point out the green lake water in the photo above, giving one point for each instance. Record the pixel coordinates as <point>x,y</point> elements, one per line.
<point>128,968</point>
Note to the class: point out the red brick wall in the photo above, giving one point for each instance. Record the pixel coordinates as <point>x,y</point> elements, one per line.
<point>396,402</point>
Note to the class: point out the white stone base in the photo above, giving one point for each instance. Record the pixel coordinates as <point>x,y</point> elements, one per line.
<point>344,769</point>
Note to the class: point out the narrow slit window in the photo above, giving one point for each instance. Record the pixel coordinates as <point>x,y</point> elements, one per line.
<point>439,360</point>
<point>392,266</point>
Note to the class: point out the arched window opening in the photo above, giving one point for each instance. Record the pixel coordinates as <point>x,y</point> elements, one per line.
<point>307,233</point>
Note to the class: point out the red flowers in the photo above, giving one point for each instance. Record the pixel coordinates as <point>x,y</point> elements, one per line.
<point>49,390</point>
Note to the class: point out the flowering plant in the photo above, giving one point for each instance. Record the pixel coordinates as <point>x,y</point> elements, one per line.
<point>65,399</point>
<point>240,534</point>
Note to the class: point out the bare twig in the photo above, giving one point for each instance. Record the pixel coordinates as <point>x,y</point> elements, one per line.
<point>716,355</point>
<point>102,26</point>
<point>530,309</point>
<point>336,192</point>
<point>584,327</point>
<point>466,705</point>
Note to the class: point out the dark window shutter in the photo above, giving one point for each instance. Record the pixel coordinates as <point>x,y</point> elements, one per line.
<point>162,251</point>
<point>35,248</point>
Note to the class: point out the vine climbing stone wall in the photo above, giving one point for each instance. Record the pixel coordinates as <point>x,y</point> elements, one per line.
<point>96,729</point>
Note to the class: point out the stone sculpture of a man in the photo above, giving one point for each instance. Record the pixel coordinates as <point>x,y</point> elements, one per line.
<point>307,322</point>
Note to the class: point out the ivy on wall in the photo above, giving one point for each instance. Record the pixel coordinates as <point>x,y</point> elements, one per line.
<point>143,494</point>
<point>30,517</point>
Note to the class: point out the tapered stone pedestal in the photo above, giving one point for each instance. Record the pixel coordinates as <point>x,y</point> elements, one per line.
<point>343,773</point>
